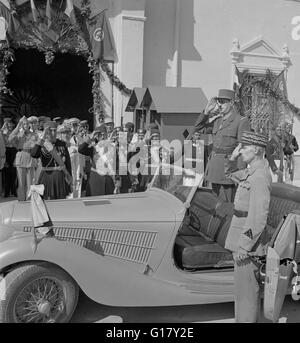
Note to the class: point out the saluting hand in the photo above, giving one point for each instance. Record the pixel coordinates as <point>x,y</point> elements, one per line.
<point>236,152</point>
<point>212,107</point>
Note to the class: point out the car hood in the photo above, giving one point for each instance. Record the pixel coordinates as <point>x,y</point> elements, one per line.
<point>150,206</point>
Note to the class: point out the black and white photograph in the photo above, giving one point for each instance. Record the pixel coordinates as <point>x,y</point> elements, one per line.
<point>150,164</point>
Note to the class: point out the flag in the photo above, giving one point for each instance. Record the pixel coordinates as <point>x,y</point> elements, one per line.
<point>237,79</point>
<point>34,11</point>
<point>279,84</point>
<point>8,23</point>
<point>69,11</point>
<point>48,12</point>
<point>101,38</point>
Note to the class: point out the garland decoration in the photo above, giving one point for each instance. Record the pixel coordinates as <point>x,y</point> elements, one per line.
<point>7,58</point>
<point>98,105</point>
<point>69,37</point>
<point>115,80</point>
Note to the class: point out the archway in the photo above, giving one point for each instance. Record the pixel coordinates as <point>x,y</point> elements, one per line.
<point>62,88</point>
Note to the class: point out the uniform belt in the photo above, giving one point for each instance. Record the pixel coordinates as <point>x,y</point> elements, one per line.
<point>98,172</point>
<point>222,151</point>
<point>240,214</point>
<point>51,168</point>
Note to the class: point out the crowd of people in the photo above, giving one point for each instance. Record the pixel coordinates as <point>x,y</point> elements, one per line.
<point>69,160</point>
<point>72,162</point>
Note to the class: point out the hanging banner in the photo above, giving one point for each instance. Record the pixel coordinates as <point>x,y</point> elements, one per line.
<point>101,38</point>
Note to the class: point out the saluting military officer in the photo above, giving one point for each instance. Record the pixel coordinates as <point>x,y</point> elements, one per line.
<point>247,233</point>
<point>228,127</point>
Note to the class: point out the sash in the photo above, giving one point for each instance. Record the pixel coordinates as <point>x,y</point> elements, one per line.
<point>51,148</point>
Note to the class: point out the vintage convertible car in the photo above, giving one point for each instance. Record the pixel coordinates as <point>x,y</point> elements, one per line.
<point>158,248</point>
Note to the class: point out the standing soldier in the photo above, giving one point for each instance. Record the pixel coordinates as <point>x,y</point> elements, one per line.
<point>228,127</point>
<point>33,124</point>
<point>138,147</point>
<point>247,232</point>
<point>9,171</point>
<point>56,166</point>
<point>109,127</point>
<point>102,153</point>
<point>128,181</point>
<point>23,139</point>
<point>289,148</point>
<point>274,154</point>
<point>73,151</point>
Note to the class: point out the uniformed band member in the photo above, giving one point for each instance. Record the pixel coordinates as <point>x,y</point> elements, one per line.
<point>228,127</point>
<point>55,176</point>
<point>247,228</point>
<point>23,139</point>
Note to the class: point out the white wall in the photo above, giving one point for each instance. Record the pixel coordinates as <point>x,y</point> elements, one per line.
<point>127,22</point>
<point>207,28</point>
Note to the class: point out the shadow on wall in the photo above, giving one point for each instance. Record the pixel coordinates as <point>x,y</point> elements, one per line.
<point>160,42</point>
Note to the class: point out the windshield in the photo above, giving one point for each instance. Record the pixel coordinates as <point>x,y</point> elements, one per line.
<point>182,183</point>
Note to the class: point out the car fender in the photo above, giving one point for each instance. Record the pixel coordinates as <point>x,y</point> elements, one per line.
<point>103,279</point>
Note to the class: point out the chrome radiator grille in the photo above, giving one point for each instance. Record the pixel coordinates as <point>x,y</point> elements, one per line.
<point>131,245</point>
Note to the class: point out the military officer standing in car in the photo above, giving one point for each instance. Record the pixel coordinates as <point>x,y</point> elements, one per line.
<point>247,233</point>
<point>228,127</point>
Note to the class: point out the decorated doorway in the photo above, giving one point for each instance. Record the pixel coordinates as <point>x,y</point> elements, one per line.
<point>75,41</point>
<point>60,89</point>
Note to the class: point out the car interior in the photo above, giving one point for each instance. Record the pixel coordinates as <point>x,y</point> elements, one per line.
<point>201,238</point>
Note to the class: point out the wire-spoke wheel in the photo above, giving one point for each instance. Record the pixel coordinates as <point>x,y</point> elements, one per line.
<point>38,293</point>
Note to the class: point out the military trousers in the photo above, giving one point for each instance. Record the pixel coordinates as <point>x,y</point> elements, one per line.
<point>247,301</point>
<point>25,180</point>
<point>224,192</point>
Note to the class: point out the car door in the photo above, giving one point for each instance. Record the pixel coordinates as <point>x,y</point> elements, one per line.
<point>280,265</point>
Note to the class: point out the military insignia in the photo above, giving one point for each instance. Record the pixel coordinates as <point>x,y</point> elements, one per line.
<point>98,34</point>
<point>249,234</point>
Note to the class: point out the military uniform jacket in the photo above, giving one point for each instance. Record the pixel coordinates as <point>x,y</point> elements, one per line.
<point>226,134</point>
<point>47,160</point>
<point>252,198</point>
